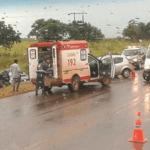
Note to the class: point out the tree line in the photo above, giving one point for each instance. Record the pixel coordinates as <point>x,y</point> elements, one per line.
<point>136,31</point>
<point>51,29</point>
<point>55,30</point>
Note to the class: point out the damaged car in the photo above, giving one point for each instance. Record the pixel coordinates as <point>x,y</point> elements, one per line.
<point>136,55</point>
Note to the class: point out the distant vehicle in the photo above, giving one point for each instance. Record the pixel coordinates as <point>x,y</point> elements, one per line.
<point>5,79</point>
<point>122,65</point>
<point>24,77</point>
<point>136,55</point>
<point>146,72</point>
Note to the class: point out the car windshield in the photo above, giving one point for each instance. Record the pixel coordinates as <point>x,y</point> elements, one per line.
<point>131,52</point>
<point>148,54</point>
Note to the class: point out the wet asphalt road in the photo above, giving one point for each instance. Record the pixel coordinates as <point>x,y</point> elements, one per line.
<point>95,118</point>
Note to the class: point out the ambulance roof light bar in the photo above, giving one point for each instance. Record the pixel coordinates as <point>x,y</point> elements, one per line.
<point>131,47</point>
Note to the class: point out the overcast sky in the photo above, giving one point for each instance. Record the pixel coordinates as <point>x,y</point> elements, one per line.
<point>100,13</point>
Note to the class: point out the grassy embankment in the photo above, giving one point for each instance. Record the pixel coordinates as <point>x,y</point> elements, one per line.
<point>24,88</point>
<point>114,46</point>
<point>19,51</point>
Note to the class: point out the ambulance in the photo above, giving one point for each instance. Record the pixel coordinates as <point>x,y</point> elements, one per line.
<point>71,64</point>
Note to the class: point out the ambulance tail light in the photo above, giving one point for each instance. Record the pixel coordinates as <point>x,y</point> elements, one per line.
<point>33,80</point>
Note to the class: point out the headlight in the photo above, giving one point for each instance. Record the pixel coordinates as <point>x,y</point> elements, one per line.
<point>135,59</point>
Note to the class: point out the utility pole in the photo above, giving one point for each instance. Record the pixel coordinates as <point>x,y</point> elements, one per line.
<point>78,13</point>
<point>81,22</point>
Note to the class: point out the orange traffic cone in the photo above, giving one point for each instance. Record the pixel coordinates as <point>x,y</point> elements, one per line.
<point>138,132</point>
<point>138,146</point>
<point>133,72</point>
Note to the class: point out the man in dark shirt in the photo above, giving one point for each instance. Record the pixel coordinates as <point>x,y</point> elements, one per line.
<point>39,80</point>
<point>42,66</point>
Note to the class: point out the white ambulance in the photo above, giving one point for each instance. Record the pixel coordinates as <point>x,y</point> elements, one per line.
<point>71,64</point>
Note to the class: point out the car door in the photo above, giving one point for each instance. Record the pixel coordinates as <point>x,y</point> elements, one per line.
<point>118,61</point>
<point>107,67</point>
<point>143,54</point>
<point>94,66</point>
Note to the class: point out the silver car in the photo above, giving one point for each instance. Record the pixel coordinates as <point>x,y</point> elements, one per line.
<point>24,77</point>
<point>122,65</point>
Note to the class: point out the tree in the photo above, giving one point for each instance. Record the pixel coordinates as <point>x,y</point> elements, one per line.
<point>132,31</point>
<point>8,36</point>
<point>48,30</point>
<point>147,31</point>
<point>56,30</point>
<point>78,30</point>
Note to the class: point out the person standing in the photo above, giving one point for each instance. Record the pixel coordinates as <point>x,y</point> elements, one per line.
<point>39,80</point>
<point>15,75</point>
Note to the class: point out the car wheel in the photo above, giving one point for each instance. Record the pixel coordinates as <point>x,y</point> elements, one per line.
<point>74,86</point>
<point>145,78</point>
<point>105,81</point>
<point>126,73</point>
<point>140,66</point>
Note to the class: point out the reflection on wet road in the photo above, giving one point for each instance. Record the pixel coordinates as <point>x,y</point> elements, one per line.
<point>96,117</point>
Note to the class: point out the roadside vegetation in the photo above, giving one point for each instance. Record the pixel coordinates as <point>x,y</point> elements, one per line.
<point>115,46</point>
<point>19,51</point>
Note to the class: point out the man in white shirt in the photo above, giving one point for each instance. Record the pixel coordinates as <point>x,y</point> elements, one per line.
<point>15,75</point>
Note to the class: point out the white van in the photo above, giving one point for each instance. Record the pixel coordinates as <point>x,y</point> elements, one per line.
<point>146,72</point>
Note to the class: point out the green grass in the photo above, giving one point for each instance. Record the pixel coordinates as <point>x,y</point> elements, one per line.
<point>19,51</point>
<point>113,45</point>
<point>23,88</point>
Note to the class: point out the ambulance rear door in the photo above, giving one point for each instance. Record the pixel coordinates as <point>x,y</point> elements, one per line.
<point>33,61</point>
<point>54,55</point>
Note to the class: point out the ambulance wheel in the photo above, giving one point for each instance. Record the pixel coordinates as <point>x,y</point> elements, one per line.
<point>106,81</point>
<point>74,86</point>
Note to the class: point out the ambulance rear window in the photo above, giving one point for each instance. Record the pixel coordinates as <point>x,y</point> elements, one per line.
<point>83,54</point>
<point>32,54</point>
